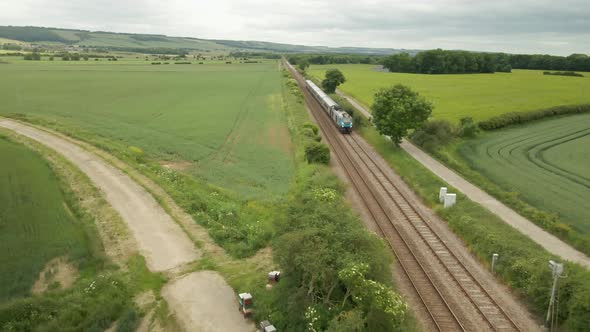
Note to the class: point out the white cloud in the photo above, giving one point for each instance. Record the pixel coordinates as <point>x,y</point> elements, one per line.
<point>526,26</point>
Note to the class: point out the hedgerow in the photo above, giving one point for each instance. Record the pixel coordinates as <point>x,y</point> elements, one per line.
<point>513,118</point>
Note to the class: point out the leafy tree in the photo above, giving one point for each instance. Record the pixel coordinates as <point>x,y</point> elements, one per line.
<point>12,47</point>
<point>385,309</point>
<point>334,78</point>
<point>303,65</point>
<point>399,109</point>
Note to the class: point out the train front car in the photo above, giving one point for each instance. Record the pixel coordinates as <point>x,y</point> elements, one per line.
<point>345,122</point>
<point>342,120</point>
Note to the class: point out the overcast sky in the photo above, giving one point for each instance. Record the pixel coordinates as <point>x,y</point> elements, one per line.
<point>517,26</point>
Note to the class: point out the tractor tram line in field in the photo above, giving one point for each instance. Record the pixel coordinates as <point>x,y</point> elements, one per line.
<point>394,214</point>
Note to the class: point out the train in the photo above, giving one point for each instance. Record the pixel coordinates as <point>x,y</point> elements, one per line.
<point>341,119</point>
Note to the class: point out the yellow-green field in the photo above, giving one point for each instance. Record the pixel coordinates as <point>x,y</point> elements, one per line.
<point>222,123</point>
<point>480,96</point>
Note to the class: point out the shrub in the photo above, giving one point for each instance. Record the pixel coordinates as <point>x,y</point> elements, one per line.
<point>311,126</point>
<point>317,153</point>
<point>467,127</point>
<point>563,73</point>
<point>156,63</point>
<point>433,134</point>
<point>309,133</point>
<point>508,119</point>
<point>35,56</point>
<point>183,63</point>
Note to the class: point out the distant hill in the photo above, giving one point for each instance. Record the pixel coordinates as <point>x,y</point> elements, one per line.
<point>84,38</point>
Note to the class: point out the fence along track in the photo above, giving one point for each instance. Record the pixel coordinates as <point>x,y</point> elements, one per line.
<point>438,309</point>
<point>489,309</point>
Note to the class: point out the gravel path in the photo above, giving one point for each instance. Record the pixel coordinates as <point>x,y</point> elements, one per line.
<point>202,300</point>
<point>523,225</point>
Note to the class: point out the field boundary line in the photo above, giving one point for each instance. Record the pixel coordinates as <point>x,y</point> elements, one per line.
<point>548,241</point>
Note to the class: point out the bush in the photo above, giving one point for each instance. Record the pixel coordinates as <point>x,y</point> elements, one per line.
<point>309,133</point>
<point>563,73</point>
<point>311,126</point>
<point>183,63</point>
<point>35,56</point>
<point>317,153</point>
<point>156,63</point>
<point>433,134</point>
<point>508,119</point>
<point>467,127</point>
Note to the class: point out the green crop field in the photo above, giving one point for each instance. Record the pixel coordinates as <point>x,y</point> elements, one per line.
<point>547,162</point>
<point>222,123</point>
<point>480,96</point>
<point>35,225</point>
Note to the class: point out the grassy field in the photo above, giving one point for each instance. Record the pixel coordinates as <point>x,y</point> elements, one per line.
<point>218,122</point>
<point>35,223</point>
<point>545,162</point>
<point>480,96</point>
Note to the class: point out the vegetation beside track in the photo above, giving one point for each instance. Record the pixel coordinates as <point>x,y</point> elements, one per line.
<point>522,264</point>
<point>319,243</point>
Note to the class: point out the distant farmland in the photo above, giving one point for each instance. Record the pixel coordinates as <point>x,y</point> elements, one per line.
<point>547,162</point>
<point>35,225</point>
<point>219,122</point>
<point>480,96</point>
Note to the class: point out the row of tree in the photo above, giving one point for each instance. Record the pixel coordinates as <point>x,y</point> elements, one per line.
<point>457,62</point>
<point>327,59</point>
<point>573,62</point>
<point>447,62</point>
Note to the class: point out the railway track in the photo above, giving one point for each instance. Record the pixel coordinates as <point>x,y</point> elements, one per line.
<point>401,225</point>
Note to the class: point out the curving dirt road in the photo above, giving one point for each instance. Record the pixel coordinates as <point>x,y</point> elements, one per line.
<point>203,301</point>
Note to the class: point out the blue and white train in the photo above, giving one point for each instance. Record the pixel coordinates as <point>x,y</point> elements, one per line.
<point>342,120</point>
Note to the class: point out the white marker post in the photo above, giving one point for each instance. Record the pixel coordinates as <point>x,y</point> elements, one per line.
<point>494,259</point>
<point>441,194</point>
<point>450,200</point>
